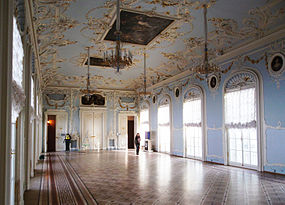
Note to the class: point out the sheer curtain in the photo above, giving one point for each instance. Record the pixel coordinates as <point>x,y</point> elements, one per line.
<point>144,124</point>
<point>18,99</point>
<point>192,118</point>
<point>240,122</point>
<point>164,128</point>
<point>32,93</point>
<point>18,96</point>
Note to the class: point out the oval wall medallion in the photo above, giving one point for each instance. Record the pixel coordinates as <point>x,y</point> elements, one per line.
<point>276,65</point>
<point>213,81</point>
<point>154,99</point>
<point>177,92</point>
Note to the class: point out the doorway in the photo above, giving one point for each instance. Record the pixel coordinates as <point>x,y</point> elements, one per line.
<point>51,133</point>
<point>131,134</point>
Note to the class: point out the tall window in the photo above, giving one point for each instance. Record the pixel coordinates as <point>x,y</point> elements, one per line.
<point>144,124</point>
<point>240,120</point>
<point>32,93</point>
<point>192,120</point>
<point>18,98</point>
<point>164,127</point>
<point>17,72</point>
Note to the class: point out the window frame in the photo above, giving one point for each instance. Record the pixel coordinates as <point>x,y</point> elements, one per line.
<point>203,121</point>
<point>259,116</point>
<point>145,106</point>
<point>161,103</point>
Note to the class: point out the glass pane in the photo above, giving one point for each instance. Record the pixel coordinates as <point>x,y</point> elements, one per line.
<point>253,159</point>
<point>246,145</point>
<point>163,114</point>
<point>239,156</point>
<point>164,128</point>
<point>144,125</point>
<point>233,156</point>
<point>192,119</point>
<point>18,56</point>
<point>240,112</point>
<point>246,157</point>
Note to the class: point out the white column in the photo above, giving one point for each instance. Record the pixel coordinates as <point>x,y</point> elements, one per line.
<point>27,141</point>
<point>35,122</point>
<point>6,34</point>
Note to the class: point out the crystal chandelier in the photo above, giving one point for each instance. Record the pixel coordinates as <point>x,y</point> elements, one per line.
<point>118,58</point>
<point>206,68</point>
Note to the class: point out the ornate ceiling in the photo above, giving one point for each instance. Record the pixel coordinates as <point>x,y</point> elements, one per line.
<point>65,28</point>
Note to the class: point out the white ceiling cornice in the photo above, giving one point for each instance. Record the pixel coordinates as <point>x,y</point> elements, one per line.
<point>34,40</point>
<point>240,51</point>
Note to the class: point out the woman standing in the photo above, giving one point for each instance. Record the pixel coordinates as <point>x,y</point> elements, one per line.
<point>137,142</point>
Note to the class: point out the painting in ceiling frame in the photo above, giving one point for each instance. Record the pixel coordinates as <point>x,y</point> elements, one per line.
<point>138,27</point>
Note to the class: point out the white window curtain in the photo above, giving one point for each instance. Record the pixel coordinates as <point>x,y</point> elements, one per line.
<point>240,122</point>
<point>192,117</point>
<point>18,96</point>
<point>32,93</point>
<point>144,124</point>
<point>18,56</point>
<point>164,128</point>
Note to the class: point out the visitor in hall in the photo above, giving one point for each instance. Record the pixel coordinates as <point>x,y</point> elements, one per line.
<point>137,142</point>
<point>67,141</point>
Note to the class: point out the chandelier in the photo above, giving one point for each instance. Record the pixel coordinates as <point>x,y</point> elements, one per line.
<point>206,68</point>
<point>87,91</point>
<point>144,93</point>
<point>118,58</point>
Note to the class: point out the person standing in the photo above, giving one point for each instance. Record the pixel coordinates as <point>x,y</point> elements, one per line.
<point>137,142</point>
<point>67,142</point>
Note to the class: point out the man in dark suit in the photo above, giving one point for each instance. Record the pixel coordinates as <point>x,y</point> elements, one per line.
<point>137,142</point>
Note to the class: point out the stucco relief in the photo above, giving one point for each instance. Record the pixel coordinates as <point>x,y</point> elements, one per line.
<point>52,23</point>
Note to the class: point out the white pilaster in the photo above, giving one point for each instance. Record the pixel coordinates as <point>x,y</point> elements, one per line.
<point>6,35</point>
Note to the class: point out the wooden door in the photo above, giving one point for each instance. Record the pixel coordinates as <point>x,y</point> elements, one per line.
<point>131,136</point>
<point>51,133</point>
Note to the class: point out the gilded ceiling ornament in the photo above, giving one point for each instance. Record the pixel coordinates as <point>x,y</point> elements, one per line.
<point>256,25</point>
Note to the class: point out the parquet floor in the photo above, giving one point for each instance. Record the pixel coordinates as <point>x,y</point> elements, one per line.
<point>119,177</point>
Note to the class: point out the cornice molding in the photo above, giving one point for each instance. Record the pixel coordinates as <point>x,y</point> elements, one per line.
<point>29,6</point>
<point>98,89</point>
<point>248,48</point>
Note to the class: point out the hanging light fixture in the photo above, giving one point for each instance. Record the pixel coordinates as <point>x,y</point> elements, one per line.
<point>87,91</point>
<point>118,58</point>
<point>206,68</point>
<point>144,93</point>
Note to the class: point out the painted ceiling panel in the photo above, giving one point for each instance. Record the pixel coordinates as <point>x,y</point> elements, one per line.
<point>65,28</point>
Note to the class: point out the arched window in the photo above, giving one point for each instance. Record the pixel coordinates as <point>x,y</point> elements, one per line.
<point>192,121</point>
<point>240,117</point>
<point>144,121</point>
<point>164,125</point>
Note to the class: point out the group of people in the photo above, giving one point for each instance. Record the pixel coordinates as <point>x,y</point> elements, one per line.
<point>67,141</point>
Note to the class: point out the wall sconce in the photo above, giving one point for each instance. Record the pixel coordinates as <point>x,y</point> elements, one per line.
<point>49,122</point>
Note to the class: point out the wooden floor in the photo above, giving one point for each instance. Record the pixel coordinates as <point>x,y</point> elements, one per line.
<point>119,177</point>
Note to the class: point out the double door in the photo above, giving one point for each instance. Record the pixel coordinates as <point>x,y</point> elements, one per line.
<point>92,130</point>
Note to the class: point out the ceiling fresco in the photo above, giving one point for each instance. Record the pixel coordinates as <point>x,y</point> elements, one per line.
<point>138,28</point>
<point>170,31</point>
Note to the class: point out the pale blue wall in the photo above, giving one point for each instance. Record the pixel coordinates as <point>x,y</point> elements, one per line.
<point>273,108</point>
<point>112,108</point>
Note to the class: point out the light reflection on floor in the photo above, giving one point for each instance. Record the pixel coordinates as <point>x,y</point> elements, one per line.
<point>120,177</point>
